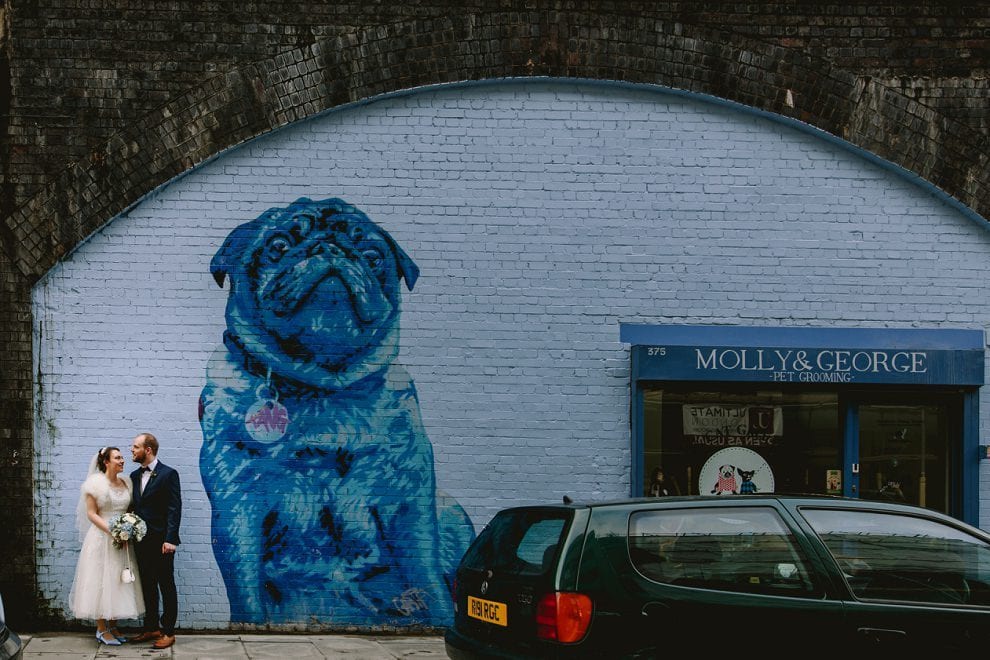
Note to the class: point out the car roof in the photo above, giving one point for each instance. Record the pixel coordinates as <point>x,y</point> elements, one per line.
<point>632,505</point>
<point>795,499</point>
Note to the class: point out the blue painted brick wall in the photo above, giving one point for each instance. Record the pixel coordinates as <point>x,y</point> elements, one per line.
<point>541,214</point>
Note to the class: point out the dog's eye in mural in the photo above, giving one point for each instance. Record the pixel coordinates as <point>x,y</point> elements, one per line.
<point>318,468</point>
<point>277,246</point>
<point>301,225</point>
<point>375,259</point>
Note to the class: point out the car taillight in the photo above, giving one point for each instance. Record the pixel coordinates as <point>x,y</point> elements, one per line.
<point>563,617</point>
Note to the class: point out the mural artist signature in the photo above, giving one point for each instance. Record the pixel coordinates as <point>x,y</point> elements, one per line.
<point>410,600</point>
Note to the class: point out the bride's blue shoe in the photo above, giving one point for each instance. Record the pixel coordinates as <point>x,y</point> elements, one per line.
<point>116,633</point>
<point>106,638</point>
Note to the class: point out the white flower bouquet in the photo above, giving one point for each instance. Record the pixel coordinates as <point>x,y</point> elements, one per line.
<point>127,527</point>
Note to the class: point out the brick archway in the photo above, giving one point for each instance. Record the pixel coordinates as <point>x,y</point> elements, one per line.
<point>227,110</point>
<point>230,109</point>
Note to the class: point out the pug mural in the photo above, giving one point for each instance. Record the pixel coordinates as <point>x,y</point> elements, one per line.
<point>318,468</point>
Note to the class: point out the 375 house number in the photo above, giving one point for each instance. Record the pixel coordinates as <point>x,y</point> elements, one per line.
<point>656,350</point>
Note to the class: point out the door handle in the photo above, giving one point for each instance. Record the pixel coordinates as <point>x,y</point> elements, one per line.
<point>655,608</point>
<point>882,635</point>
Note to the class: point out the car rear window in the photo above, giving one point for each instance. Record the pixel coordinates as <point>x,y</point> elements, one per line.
<point>521,541</point>
<point>739,549</point>
<point>886,556</point>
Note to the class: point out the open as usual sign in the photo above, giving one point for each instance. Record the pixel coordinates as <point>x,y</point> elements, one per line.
<point>705,419</point>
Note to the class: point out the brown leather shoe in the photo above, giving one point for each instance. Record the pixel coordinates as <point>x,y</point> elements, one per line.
<point>146,636</point>
<point>164,642</point>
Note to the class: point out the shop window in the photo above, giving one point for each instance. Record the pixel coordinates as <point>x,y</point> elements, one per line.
<point>903,454</point>
<point>870,413</point>
<point>770,440</point>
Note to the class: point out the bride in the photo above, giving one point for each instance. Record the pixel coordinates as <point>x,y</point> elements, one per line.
<point>98,590</point>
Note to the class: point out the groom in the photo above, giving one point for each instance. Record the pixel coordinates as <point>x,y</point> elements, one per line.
<point>158,501</point>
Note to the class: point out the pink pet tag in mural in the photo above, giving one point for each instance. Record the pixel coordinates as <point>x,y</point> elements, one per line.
<point>267,420</point>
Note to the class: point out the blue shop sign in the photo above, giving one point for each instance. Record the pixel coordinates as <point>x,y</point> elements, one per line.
<point>806,355</point>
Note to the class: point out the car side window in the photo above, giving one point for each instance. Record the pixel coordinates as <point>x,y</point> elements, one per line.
<point>738,549</point>
<point>886,556</point>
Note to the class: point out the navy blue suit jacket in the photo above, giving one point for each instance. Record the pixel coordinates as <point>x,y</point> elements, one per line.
<point>160,505</point>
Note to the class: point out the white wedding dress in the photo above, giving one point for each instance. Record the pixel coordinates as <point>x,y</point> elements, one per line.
<point>98,592</point>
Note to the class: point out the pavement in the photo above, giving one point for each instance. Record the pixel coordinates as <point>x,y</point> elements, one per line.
<point>80,646</point>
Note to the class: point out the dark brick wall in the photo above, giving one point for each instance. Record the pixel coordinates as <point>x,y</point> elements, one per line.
<point>83,70</point>
<point>101,101</point>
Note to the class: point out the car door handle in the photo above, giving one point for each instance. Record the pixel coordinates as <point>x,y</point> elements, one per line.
<point>655,608</point>
<point>882,634</point>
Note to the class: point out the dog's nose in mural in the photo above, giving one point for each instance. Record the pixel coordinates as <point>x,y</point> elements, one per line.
<point>318,468</point>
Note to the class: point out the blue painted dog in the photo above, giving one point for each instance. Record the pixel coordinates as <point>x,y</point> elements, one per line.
<point>315,459</point>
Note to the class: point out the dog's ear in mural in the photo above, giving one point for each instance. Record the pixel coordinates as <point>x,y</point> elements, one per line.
<point>319,470</point>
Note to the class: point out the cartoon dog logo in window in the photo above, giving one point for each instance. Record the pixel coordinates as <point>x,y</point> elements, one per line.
<point>726,483</point>
<point>747,487</point>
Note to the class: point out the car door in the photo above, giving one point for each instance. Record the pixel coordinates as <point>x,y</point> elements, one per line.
<point>730,575</point>
<point>917,583</point>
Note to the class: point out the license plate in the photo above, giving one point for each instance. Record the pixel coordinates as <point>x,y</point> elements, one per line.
<point>488,611</point>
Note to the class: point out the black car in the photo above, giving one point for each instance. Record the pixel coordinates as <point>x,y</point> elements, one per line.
<point>10,644</point>
<point>736,575</point>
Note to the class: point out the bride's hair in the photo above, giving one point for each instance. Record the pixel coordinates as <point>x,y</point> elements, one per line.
<point>103,457</point>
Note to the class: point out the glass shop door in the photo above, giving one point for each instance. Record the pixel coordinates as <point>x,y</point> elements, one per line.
<point>904,453</point>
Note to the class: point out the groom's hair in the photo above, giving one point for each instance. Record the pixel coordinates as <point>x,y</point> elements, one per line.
<point>150,442</point>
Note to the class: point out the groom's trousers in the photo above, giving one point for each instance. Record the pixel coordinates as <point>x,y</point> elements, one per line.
<point>157,575</point>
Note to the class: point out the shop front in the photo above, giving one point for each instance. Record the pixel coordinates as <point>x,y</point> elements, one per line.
<point>884,414</point>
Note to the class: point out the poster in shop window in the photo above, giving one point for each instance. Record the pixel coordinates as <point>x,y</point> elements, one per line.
<point>720,425</point>
<point>735,471</point>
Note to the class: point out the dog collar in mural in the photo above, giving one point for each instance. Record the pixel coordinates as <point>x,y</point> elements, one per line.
<point>267,420</point>
<point>289,386</point>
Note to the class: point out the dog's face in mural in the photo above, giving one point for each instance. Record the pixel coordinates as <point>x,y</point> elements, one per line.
<point>314,287</point>
<point>315,459</point>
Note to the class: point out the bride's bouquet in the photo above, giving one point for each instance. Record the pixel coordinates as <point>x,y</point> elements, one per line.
<point>127,527</point>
